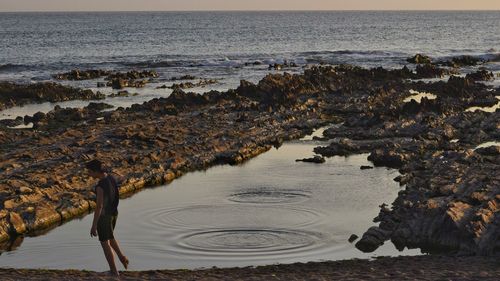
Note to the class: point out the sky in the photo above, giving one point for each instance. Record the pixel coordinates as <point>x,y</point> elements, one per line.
<point>189,5</point>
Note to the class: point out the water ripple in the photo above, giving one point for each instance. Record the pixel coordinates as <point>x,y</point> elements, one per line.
<point>243,242</point>
<point>229,215</point>
<point>270,196</point>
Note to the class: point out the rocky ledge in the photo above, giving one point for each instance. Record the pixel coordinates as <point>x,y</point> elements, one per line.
<point>451,195</point>
<point>451,191</point>
<point>14,94</point>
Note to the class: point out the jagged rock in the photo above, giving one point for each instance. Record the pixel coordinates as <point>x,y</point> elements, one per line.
<point>17,223</point>
<point>461,61</point>
<point>372,239</point>
<point>387,158</point>
<point>480,75</point>
<point>431,71</point>
<point>419,59</point>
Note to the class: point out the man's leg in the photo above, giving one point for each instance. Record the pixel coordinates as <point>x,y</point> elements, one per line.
<point>109,257</point>
<point>121,256</point>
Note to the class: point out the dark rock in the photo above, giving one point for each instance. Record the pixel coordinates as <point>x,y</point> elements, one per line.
<point>286,64</point>
<point>431,71</point>
<point>119,83</point>
<point>366,167</point>
<point>493,150</point>
<point>121,94</point>
<point>253,63</point>
<point>387,158</point>
<point>189,85</point>
<point>184,77</point>
<point>99,106</point>
<point>135,79</point>
<point>353,238</point>
<point>481,75</point>
<point>461,61</point>
<point>315,159</point>
<point>82,74</point>
<point>372,239</point>
<point>11,122</point>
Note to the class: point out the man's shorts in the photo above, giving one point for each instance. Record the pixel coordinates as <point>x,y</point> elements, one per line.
<point>105,226</point>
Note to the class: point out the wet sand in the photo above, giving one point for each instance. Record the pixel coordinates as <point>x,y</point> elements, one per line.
<point>400,268</point>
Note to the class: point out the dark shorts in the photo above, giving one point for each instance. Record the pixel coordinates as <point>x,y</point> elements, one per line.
<point>105,226</point>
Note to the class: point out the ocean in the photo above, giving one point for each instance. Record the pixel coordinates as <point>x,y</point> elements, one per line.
<point>225,45</point>
<point>35,45</point>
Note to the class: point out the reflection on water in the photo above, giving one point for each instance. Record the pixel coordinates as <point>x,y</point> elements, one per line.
<point>269,210</point>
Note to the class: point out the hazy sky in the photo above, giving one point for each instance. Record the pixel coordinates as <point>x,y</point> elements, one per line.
<point>165,5</point>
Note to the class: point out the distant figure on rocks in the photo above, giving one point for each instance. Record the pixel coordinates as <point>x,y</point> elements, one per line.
<point>106,214</point>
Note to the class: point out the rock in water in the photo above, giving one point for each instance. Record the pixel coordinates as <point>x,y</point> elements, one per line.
<point>316,159</point>
<point>419,59</point>
<point>353,238</point>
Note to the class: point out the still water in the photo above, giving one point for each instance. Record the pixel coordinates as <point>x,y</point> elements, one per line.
<point>269,210</point>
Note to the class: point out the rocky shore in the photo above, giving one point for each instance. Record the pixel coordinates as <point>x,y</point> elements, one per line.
<point>451,193</point>
<point>385,268</point>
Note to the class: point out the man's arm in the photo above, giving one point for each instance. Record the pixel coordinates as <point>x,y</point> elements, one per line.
<point>98,210</point>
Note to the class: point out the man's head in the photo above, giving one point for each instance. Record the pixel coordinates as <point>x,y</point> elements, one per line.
<point>95,168</point>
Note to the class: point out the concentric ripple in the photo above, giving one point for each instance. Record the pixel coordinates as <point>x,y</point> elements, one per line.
<point>230,216</point>
<point>243,242</point>
<point>270,196</point>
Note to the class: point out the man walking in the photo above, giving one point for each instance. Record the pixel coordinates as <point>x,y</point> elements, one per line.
<point>106,214</point>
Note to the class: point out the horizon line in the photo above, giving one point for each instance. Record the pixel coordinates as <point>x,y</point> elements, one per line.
<point>235,10</point>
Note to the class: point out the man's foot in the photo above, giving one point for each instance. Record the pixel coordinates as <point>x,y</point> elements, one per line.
<point>114,274</point>
<point>124,261</point>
